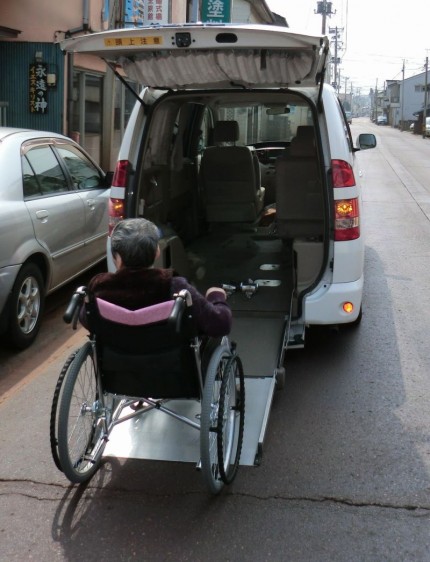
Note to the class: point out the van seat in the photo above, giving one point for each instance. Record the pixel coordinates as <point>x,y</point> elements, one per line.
<point>229,178</point>
<point>299,202</point>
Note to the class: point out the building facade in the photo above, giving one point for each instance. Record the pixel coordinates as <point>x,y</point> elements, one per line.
<point>45,89</point>
<point>403,101</point>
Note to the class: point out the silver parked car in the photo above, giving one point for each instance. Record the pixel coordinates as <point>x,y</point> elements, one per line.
<point>53,223</point>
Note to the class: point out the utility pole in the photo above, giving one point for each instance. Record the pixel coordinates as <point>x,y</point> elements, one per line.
<point>346,78</point>
<point>358,101</point>
<point>324,8</point>
<point>425,98</point>
<point>376,102</point>
<point>403,94</point>
<point>336,58</point>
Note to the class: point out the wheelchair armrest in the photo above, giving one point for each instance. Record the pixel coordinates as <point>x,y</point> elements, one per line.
<point>183,306</point>
<point>74,306</point>
<point>178,310</point>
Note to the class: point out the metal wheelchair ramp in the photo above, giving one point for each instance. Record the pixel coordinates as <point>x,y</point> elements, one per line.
<point>157,436</point>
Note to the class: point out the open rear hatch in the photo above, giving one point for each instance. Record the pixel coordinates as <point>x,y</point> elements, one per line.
<point>210,56</point>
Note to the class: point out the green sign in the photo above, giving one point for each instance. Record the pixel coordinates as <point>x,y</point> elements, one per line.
<point>216,11</point>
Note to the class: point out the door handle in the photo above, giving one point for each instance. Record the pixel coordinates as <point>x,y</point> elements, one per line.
<point>42,215</point>
<point>91,203</point>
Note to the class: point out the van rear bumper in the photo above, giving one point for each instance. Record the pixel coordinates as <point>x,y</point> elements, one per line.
<point>324,306</point>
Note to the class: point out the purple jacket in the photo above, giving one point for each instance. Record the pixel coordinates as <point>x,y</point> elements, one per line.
<point>135,288</point>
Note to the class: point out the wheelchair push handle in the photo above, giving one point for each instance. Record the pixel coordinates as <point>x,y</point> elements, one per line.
<point>186,295</point>
<point>74,306</point>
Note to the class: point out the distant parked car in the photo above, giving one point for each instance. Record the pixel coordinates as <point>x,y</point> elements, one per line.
<point>348,117</point>
<point>427,127</point>
<point>53,223</point>
<point>381,120</point>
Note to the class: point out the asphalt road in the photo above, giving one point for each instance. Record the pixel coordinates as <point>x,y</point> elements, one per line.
<point>346,467</point>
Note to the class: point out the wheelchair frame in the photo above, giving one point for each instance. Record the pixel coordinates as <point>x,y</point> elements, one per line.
<point>84,413</point>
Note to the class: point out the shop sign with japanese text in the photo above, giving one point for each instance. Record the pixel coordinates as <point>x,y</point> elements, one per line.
<point>38,87</point>
<point>216,11</point>
<point>156,11</point>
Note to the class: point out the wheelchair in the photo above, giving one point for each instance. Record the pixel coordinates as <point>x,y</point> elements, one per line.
<point>138,361</point>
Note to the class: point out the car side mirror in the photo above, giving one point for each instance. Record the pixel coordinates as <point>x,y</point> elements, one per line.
<point>366,141</point>
<point>108,179</point>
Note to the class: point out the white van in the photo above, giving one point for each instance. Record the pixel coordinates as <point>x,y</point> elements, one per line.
<point>241,153</point>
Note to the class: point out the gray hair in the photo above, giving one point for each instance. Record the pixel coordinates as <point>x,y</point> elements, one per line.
<point>136,241</point>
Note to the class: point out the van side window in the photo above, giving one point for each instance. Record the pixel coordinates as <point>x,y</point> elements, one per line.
<point>345,126</point>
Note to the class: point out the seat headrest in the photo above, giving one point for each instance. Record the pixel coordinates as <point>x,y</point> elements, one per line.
<point>303,144</point>
<point>226,131</point>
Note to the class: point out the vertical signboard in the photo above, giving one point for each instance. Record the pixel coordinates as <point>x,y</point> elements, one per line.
<point>156,11</point>
<point>38,87</point>
<point>216,11</point>
<point>134,13</point>
<point>145,12</point>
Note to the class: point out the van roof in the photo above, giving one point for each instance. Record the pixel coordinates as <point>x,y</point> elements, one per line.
<point>210,56</point>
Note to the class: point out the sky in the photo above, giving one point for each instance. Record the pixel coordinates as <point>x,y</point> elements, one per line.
<point>379,38</point>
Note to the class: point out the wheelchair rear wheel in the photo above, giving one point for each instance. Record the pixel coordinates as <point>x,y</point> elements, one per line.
<point>231,419</point>
<point>222,419</point>
<point>81,419</point>
<point>53,427</point>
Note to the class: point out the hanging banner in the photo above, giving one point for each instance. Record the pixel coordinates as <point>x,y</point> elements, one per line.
<point>38,87</point>
<point>216,11</point>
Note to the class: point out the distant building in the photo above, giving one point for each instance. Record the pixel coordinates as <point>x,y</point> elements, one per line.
<point>404,100</point>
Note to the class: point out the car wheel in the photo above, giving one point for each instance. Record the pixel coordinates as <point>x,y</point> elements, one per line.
<point>26,306</point>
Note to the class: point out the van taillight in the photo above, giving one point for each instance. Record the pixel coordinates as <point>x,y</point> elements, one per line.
<point>116,212</point>
<point>343,174</point>
<point>347,220</point>
<point>120,176</point>
<point>117,193</point>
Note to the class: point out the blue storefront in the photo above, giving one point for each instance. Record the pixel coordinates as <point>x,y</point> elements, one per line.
<point>32,85</point>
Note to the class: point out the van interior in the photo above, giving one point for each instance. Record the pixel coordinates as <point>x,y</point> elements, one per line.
<point>236,182</point>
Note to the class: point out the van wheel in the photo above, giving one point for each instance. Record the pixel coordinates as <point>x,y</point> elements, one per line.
<point>26,306</point>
